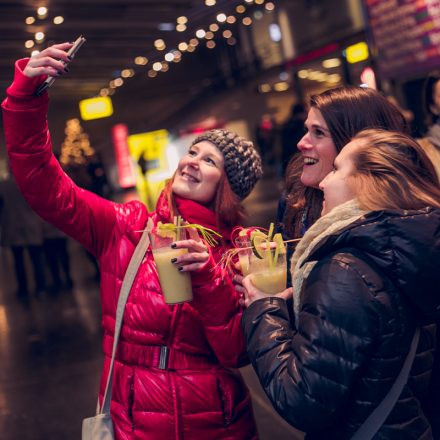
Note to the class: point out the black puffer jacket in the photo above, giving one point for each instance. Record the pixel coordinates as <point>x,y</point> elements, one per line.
<point>374,282</point>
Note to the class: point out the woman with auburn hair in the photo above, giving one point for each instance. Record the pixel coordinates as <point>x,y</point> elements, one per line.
<point>174,372</point>
<point>365,288</point>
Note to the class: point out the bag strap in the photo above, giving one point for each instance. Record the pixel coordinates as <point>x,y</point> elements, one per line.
<point>129,277</point>
<point>377,418</point>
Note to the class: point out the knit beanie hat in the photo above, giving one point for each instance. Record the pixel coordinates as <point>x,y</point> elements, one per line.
<point>242,162</point>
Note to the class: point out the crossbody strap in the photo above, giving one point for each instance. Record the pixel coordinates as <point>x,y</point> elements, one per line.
<point>377,418</point>
<point>129,277</point>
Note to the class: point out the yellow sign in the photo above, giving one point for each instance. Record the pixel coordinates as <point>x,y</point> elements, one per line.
<point>149,152</point>
<point>357,52</point>
<point>95,108</point>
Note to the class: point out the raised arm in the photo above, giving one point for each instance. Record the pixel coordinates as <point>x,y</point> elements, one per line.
<point>49,191</point>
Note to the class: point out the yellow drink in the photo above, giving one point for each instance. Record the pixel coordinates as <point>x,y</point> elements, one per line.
<point>243,258</point>
<point>270,280</point>
<point>175,285</point>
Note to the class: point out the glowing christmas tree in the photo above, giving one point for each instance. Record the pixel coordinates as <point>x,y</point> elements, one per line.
<point>76,147</point>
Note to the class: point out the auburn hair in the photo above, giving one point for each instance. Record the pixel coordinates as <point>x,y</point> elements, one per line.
<point>346,111</point>
<point>227,206</point>
<point>392,171</point>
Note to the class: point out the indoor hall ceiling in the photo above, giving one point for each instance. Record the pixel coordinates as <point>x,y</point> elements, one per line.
<point>117,31</point>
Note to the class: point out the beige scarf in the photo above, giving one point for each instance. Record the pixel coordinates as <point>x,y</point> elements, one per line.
<point>329,224</point>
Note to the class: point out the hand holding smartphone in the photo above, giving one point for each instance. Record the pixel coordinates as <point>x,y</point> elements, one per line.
<point>71,53</point>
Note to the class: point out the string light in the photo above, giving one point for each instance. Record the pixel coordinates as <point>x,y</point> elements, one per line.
<point>58,19</point>
<point>42,12</point>
<point>30,20</point>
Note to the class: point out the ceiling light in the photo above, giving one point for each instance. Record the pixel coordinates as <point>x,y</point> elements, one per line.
<point>58,19</point>
<point>210,44</point>
<point>231,19</point>
<point>42,12</point>
<point>264,88</point>
<point>200,33</point>
<point>247,21</point>
<point>221,18</point>
<point>227,33</point>
<point>29,43</point>
<point>191,49</point>
<point>166,27</point>
<point>210,2</point>
<point>169,57</point>
<point>259,2</point>
<point>209,35</point>
<point>127,73</point>
<point>249,1</point>
<point>213,27</point>
<point>182,20</point>
<point>159,44</point>
<point>194,42</point>
<point>103,92</point>
<point>331,62</point>
<point>281,86</point>
<point>30,20</point>
<point>141,61</point>
<point>182,46</point>
<point>39,36</point>
<point>303,73</point>
<point>157,66</point>
<point>165,67</point>
<point>240,9</point>
<point>180,28</point>
<point>269,6</point>
<point>152,73</point>
<point>231,41</point>
<point>118,82</point>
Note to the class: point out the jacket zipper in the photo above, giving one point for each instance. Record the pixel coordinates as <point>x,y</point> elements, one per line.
<point>171,376</point>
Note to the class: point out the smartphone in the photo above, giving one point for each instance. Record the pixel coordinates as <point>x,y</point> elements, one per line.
<point>71,52</point>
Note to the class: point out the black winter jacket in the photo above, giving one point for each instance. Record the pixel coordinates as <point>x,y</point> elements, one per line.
<point>374,282</point>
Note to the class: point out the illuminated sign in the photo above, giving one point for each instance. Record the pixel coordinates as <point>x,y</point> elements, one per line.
<point>95,108</point>
<point>356,52</point>
<point>126,176</point>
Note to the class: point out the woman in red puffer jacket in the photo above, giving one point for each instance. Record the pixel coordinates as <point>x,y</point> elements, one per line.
<point>197,394</point>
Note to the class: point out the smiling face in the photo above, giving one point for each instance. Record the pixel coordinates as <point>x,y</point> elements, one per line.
<point>317,149</point>
<point>199,172</point>
<point>338,186</point>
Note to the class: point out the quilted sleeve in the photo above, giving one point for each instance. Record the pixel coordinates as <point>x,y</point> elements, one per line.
<point>48,190</point>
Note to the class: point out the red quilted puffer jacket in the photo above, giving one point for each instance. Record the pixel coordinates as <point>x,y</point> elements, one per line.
<point>198,395</point>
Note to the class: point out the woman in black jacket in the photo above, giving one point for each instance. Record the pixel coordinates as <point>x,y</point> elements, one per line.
<point>365,276</point>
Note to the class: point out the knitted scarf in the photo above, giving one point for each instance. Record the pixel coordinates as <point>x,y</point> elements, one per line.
<point>329,224</point>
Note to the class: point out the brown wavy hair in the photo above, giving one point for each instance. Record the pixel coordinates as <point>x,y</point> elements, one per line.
<point>393,172</point>
<point>346,111</point>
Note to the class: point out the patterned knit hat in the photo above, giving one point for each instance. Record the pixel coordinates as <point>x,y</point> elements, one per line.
<point>242,162</point>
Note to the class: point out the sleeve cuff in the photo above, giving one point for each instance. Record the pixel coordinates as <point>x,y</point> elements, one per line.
<point>206,274</point>
<point>23,87</point>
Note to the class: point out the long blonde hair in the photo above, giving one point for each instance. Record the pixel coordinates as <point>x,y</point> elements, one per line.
<point>393,172</point>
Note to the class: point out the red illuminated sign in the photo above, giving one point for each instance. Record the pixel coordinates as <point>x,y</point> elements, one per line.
<point>126,177</point>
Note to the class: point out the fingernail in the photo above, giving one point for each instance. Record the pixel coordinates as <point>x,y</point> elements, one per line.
<point>180,269</point>
<point>173,260</point>
<point>173,245</point>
